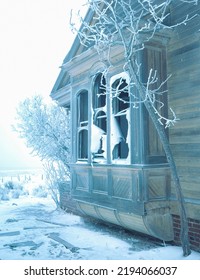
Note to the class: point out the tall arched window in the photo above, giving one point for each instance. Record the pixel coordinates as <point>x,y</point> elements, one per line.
<point>82,124</point>
<point>99,126</point>
<point>120,119</point>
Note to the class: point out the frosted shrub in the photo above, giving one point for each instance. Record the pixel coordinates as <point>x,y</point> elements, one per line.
<point>9,185</point>
<point>11,190</point>
<point>4,193</point>
<point>39,191</point>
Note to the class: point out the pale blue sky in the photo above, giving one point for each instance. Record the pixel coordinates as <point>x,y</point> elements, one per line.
<point>35,37</point>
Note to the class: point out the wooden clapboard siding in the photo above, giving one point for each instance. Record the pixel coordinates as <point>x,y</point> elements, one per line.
<point>190,190</point>
<point>186,125</point>
<point>185,138</point>
<point>189,149</point>
<point>178,11</point>
<point>189,161</point>
<point>183,58</point>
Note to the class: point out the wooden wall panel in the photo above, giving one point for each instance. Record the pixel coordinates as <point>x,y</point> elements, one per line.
<point>183,59</point>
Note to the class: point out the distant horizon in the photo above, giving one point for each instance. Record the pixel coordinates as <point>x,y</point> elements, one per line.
<point>19,168</point>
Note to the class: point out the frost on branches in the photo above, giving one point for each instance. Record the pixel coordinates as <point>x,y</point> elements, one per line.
<point>46,130</point>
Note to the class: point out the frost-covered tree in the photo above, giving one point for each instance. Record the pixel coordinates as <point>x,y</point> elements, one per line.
<point>56,175</point>
<point>46,131</point>
<point>130,25</point>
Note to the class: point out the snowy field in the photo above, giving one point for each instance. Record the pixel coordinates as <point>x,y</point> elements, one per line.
<point>32,228</point>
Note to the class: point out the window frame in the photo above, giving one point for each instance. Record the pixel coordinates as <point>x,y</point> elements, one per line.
<point>99,123</point>
<point>82,125</point>
<point>138,128</point>
<point>117,118</point>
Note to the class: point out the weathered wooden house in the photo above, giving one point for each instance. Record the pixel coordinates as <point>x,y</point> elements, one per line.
<point>119,170</point>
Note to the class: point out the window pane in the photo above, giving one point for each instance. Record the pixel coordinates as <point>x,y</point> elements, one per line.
<point>82,124</point>
<point>99,125</point>
<point>120,96</point>
<point>100,120</point>
<point>82,108</point>
<point>99,92</point>
<point>121,149</point>
<point>83,144</point>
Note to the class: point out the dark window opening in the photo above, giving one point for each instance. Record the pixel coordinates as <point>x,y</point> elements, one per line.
<point>99,92</point>
<point>120,97</point>
<point>83,108</point>
<point>82,124</point>
<point>83,144</point>
<point>121,150</point>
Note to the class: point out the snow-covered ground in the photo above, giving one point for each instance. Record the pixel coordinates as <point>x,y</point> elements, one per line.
<point>30,223</point>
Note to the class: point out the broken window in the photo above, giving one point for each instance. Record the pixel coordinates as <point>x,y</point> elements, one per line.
<point>99,92</point>
<point>82,123</point>
<point>99,126</point>
<point>120,118</point>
